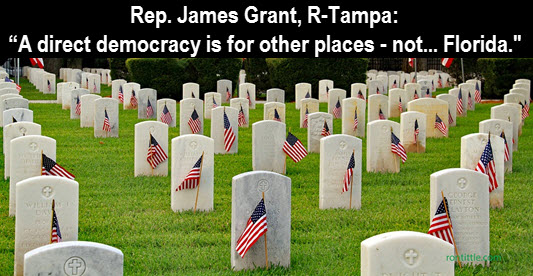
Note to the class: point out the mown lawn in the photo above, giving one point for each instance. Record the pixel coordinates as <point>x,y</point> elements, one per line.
<point>134,215</point>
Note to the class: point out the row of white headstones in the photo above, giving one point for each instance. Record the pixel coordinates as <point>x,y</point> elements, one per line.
<point>194,144</point>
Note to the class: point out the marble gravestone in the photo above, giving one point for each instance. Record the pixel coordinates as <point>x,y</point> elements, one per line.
<point>144,131</point>
<point>270,110</point>
<point>413,91</point>
<point>6,88</point>
<point>407,131</point>
<point>468,91</point>
<point>223,87</point>
<point>394,82</point>
<point>467,194</point>
<point>522,92</point>
<point>74,258</point>
<point>268,138</point>
<point>101,106</point>
<point>239,103</point>
<point>358,90</point>
<point>12,131</point>
<point>34,213</point>
<point>452,107</point>
<point>145,98</point>
<point>171,107</point>
<point>397,97</point>
<point>93,83</point>
<point>49,83</point>
<point>84,80</point>
<point>379,157</point>
<point>248,189</point>
<point>385,81</point>
<point>87,109</point>
<point>314,129</point>
<point>75,96</point>
<point>525,90</point>
<point>464,100</point>
<point>517,97</point>
<point>335,153</point>
<point>116,86</point>
<point>247,91</point>
<point>187,107</point>
<point>308,106</point>
<point>376,87</point>
<point>432,107</point>
<point>475,82</point>
<point>213,100</point>
<point>497,127</point>
<point>62,89</point>
<point>375,104</point>
<point>10,101</point>
<point>472,146</point>
<point>323,90</point>
<point>190,90</point>
<point>217,128</point>
<point>349,107</point>
<point>302,91</point>
<point>406,253</point>
<point>336,95</point>
<point>526,81</point>
<point>275,95</point>
<point>130,89</point>
<point>186,150</point>
<point>425,87</point>
<point>17,115</point>
<point>510,113</point>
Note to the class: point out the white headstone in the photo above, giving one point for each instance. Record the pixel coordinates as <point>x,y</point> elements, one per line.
<point>239,103</point>
<point>147,97</point>
<point>17,115</point>
<point>75,98</point>
<point>407,131</point>
<point>378,104</point>
<point>10,101</point>
<point>358,90</point>
<point>144,132</point>
<point>302,90</point>
<point>191,90</point>
<point>432,108</point>
<point>217,129</point>
<point>464,100</point>
<point>349,107</point>
<point>223,87</point>
<point>247,91</point>
<point>497,127</point>
<point>93,83</point>
<point>335,98</point>
<point>397,97</point>
<point>130,89</point>
<point>187,108</point>
<point>323,90</point>
<point>101,107</point>
<point>468,90</point>
<point>12,131</point>
<point>49,83</point>
<point>270,110</point>
<point>413,91</point>
<point>268,138</point>
<point>63,94</point>
<point>510,113</point>
<point>394,82</point>
<point>452,107</point>
<point>376,87</point>
<point>379,157</point>
<point>315,127</point>
<point>275,95</point>
<point>171,114</point>
<point>308,106</point>
<point>517,97</point>
<point>212,100</point>
<point>87,109</point>
<point>116,87</point>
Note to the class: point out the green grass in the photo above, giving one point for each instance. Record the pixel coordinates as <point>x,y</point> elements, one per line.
<point>134,215</point>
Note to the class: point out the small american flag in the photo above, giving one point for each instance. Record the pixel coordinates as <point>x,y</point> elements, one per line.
<point>294,148</point>
<point>133,99</point>
<point>325,130</point>
<point>460,108</point>
<point>276,115</point>
<point>432,86</point>
<point>306,118</point>
<point>78,106</point>
<point>149,110</point>
<point>327,91</point>
<point>400,107</point>
<point>470,103</point>
<point>229,136</point>
<point>348,176</point>
<point>439,82</point>
<point>308,95</point>
<point>120,94</point>
<point>192,94</point>
<point>193,177</point>
<point>17,85</point>
<point>156,154</point>
<point>450,118</point>
<point>381,115</point>
<point>487,166</point>
<point>255,228</point>
<point>506,148</point>
<point>394,84</point>
<point>194,122</point>
<point>428,94</point>
<point>477,93</point>
<point>106,126</point>
<point>397,147</point>
<point>228,94</point>
<point>526,108</point>
<point>248,97</point>
<point>377,90</point>
<point>440,225</point>
<point>337,110</point>
<point>49,86</point>
<point>50,167</point>
<point>55,235</point>
<point>360,95</point>
<point>439,124</point>
<point>215,105</point>
<point>241,117</point>
<point>415,96</point>
<point>524,113</point>
<point>446,62</point>
<point>355,120</point>
<point>95,90</point>
<point>417,131</point>
<point>166,117</point>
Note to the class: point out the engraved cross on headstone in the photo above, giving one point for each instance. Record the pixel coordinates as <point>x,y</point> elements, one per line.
<point>75,264</point>
<point>410,256</point>
<point>47,191</point>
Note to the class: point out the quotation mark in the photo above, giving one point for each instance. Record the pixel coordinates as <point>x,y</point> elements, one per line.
<point>12,38</point>
<point>517,38</point>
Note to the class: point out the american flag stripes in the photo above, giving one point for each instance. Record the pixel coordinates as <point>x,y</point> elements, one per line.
<point>428,94</point>
<point>337,110</point>
<point>133,99</point>
<point>306,118</point>
<point>156,155</point>
<point>377,90</point>
<point>470,102</point>
<point>360,95</point>
<point>460,108</point>
<point>477,93</point>
<point>446,62</point>
<point>55,232</point>
<point>228,94</point>
<point>166,117</point>
<point>394,84</point>
<point>229,136</point>
<point>149,110</point>
<point>193,177</point>
<point>78,106</point>
<point>121,94</point>
<point>440,225</point>
<point>417,131</point>
<point>16,84</point>
<point>439,124</point>
<point>50,167</point>
<point>348,176</point>
<point>241,118</point>
<point>506,147</point>
<point>325,130</point>
<point>381,115</point>
<point>38,61</point>
<point>439,82</point>
<point>194,122</point>
<point>487,166</point>
<point>415,96</point>
<point>400,107</point>
<point>248,97</point>
<point>355,120</point>
<point>450,118</point>
<point>106,127</point>
<point>215,105</point>
<point>255,228</point>
<point>411,62</point>
<point>397,147</point>
<point>276,115</point>
<point>294,148</point>
<point>524,113</point>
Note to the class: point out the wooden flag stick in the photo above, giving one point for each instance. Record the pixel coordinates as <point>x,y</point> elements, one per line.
<point>351,186</point>
<point>41,168</point>
<point>266,248</point>
<point>52,218</point>
<point>450,223</point>
<point>198,186</point>
<point>395,157</point>
<point>151,154</point>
